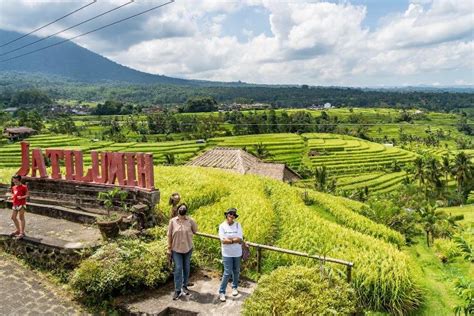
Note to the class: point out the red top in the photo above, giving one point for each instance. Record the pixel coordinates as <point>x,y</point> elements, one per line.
<point>19,190</point>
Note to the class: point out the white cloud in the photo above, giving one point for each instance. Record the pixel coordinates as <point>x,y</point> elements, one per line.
<point>312,42</point>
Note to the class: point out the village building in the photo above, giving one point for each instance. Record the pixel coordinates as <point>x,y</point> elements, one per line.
<point>18,133</point>
<point>240,161</point>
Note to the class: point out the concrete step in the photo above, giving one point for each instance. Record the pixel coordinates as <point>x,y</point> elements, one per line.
<point>58,212</point>
<point>203,298</point>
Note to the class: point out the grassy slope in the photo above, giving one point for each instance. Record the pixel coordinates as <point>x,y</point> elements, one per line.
<point>466,210</point>
<point>438,279</point>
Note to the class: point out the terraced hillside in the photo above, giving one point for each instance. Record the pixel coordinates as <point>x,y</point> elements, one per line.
<point>355,163</point>
<point>286,148</point>
<point>182,150</point>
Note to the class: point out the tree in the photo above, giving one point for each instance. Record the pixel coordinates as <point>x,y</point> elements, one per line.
<point>446,167</point>
<point>170,159</point>
<point>30,119</point>
<point>111,107</point>
<point>431,219</point>
<point>419,172</point>
<point>463,173</point>
<point>261,151</point>
<point>201,104</point>
<point>321,178</point>
<point>30,97</point>
<point>64,125</point>
<point>433,173</point>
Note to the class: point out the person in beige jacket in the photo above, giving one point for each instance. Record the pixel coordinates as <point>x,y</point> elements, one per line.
<point>181,230</point>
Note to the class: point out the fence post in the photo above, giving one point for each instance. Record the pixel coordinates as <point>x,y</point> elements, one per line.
<point>349,273</point>
<point>259,259</point>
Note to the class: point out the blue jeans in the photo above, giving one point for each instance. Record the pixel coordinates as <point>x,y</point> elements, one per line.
<point>231,268</point>
<point>182,266</point>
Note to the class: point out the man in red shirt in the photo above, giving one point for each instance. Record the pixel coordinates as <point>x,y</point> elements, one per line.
<point>19,194</point>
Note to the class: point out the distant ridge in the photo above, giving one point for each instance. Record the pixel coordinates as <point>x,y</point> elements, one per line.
<point>77,63</point>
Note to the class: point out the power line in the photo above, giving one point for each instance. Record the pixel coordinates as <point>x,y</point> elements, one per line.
<point>92,31</point>
<point>42,27</point>
<point>67,29</point>
<point>124,121</point>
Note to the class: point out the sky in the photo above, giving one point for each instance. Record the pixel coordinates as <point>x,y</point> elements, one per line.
<point>361,43</point>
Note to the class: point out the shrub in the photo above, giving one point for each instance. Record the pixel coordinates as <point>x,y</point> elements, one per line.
<point>300,290</point>
<point>118,268</point>
<point>446,249</point>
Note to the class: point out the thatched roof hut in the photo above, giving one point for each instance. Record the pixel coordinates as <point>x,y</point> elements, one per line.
<point>238,160</point>
<point>18,133</point>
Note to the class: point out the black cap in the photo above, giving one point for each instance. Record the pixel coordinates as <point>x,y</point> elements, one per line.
<point>232,211</point>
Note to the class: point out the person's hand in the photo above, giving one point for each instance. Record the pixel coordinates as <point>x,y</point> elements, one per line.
<point>236,240</point>
<point>168,251</point>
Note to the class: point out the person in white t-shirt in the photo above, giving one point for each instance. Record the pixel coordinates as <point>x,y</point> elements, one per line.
<point>231,235</point>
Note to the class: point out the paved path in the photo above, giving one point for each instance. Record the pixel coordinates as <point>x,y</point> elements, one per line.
<point>52,231</point>
<point>203,299</point>
<point>22,292</point>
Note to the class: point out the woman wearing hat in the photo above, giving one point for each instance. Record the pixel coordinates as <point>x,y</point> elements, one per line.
<point>174,201</point>
<point>180,245</point>
<point>231,235</point>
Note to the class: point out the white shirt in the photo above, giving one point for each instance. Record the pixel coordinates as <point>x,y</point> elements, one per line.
<point>226,231</point>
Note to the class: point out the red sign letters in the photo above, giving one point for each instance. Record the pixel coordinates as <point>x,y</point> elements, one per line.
<point>127,169</point>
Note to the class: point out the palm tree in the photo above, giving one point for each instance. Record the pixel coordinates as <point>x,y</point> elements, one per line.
<point>260,151</point>
<point>321,177</point>
<point>433,173</point>
<point>419,170</point>
<point>431,219</point>
<point>170,158</point>
<point>446,167</point>
<point>463,172</point>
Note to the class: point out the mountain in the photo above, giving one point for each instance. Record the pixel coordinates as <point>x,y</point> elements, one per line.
<point>77,63</point>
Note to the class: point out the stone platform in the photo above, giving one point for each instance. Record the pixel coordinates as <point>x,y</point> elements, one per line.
<point>50,242</point>
<point>203,299</point>
<point>52,231</point>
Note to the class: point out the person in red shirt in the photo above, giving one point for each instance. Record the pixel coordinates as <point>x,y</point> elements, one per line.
<point>19,194</point>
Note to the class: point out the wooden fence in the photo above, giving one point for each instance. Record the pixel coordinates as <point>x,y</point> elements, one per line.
<point>260,247</point>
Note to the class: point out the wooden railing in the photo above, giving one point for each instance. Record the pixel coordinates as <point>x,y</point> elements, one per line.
<point>260,247</point>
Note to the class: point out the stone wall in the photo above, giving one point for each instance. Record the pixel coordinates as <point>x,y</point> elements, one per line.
<point>42,255</point>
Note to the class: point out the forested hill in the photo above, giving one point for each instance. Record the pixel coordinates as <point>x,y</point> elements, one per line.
<point>69,71</point>
<point>73,62</point>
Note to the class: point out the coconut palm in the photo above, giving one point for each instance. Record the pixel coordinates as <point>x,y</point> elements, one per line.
<point>431,219</point>
<point>433,173</point>
<point>170,158</point>
<point>463,172</point>
<point>446,167</point>
<point>260,151</point>
<point>419,170</point>
<point>321,177</point>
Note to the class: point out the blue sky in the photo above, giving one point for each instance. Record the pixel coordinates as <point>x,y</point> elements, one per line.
<point>345,43</point>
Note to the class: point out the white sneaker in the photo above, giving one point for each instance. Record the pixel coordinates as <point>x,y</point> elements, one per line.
<point>235,292</point>
<point>222,297</point>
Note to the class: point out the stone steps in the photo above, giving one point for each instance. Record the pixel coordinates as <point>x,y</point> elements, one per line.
<point>59,212</point>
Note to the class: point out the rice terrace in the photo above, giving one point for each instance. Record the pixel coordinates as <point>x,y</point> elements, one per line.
<point>236,158</point>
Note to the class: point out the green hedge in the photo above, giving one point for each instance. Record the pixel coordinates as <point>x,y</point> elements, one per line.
<point>118,268</point>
